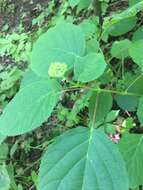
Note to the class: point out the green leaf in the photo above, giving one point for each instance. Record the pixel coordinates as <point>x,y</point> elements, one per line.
<point>135,51</point>
<point>92,46</point>
<point>4,151</point>
<point>123,26</point>
<point>102,103</point>
<point>82,159</point>
<point>29,77</point>
<point>140,110</point>
<point>126,102</point>
<point>138,35</point>
<point>112,115</point>
<point>4,179</point>
<point>127,125</point>
<point>61,44</point>
<point>89,68</point>
<point>2,138</point>
<point>109,128</point>
<point>83,4</point>
<point>116,19</point>
<point>120,49</point>
<point>134,86</point>
<point>89,28</point>
<point>73,3</point>
<point>133,2</point>
<point>31,106</point>
<point>131,149</point>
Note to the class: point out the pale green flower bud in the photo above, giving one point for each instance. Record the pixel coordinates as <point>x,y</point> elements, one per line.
<point>57,69</point>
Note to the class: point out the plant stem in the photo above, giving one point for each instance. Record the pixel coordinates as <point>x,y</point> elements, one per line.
<point>97,10</point>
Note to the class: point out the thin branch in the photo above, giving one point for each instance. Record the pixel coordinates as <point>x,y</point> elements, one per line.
<point>98,10</point>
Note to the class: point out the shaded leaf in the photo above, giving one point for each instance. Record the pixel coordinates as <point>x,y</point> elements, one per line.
<point>132,152</point>
<point>134,86</point>
<point>138,35</point>
<point>136,52</point>
<point>140,110</point>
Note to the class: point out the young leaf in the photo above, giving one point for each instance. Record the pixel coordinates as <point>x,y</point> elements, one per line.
<point>131,149</point>
<point>4,179</point>
<point>83,4</point>
<point>135,51</point>
<point>89,68</point>
<point>120,49</point>
<point>82,159</point>
<point>73,3</point>
<point>112,115</point>
<point>59,45</point>
<point>31,106</point>
<point>102,102</point>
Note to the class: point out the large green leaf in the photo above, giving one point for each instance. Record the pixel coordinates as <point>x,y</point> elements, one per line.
<point>4,179</point>
<point>61,44</point>
<point>82,159</point>
<point>136,52</point>
<point>90,28</point>
<point>90,67</point>
<point>31,106</point>
<point>102,103</point>
<point>92,46</point>
<point>29,78</point>
<point>123,26</point>
<point>131,147</point>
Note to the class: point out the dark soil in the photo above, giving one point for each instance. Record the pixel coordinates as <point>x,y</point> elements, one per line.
<point>14,12</point>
